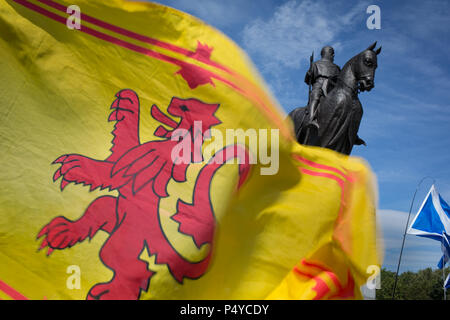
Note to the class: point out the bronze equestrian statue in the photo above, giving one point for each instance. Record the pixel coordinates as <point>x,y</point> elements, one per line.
<point>339,113</point>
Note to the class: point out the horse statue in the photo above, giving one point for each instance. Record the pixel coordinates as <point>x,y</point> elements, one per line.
<point>339,113</point>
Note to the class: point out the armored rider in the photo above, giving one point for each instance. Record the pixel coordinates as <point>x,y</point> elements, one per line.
<point>322,76</point>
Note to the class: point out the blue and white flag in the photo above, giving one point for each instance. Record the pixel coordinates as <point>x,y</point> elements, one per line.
<point>445,247</point>
<point>433,221</point>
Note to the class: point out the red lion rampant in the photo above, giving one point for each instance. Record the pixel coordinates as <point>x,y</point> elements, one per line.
<point>140,173</point>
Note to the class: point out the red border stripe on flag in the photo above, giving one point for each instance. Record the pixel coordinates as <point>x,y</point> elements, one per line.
<point>11,292</point>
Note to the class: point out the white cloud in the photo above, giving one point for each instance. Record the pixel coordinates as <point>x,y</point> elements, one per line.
<point>294,30</point>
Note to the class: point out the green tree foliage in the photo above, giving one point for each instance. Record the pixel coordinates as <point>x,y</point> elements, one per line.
<point>425,284</point>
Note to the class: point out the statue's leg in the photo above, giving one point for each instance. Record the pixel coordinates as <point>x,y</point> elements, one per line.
<point>314,139</point>
<point>314,104</point>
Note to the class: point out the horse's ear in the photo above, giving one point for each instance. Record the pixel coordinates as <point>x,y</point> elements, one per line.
<point>372,46</point>
<point>378,50</point>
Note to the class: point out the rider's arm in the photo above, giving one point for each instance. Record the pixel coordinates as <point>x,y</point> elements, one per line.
<point>309,75</point>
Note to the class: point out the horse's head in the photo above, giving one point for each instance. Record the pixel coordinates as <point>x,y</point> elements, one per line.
<point>364,65</point>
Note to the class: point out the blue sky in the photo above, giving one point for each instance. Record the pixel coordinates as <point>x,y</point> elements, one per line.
<point>406,116</point>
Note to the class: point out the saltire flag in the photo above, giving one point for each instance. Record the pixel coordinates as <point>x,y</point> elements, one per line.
<point>445,247</point>
<point>116,182</point>
<point>433,221</point>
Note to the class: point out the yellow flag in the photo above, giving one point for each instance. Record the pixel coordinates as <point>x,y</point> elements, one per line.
<point>143,158</point>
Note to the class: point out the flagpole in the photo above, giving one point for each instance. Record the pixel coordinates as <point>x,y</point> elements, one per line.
<point>404,235</point>
<point>443,269</point>
<point>445,289</point>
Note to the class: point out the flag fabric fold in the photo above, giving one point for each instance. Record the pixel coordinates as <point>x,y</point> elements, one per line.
<point>118,181</point>
<point>445,247</point>
<point>433,221</point>
<point>433,217</point>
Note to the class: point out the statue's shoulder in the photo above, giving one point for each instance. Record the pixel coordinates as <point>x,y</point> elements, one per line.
<point>327,68</point>
<point>327,63</point>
